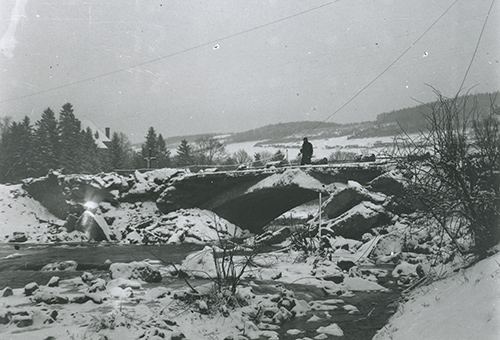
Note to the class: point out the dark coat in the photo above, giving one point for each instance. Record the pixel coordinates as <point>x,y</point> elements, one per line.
<point>307,149</point>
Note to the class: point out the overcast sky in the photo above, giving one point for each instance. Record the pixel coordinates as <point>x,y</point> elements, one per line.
<point>302,68</point>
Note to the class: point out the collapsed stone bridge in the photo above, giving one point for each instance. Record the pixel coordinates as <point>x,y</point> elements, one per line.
<point>253,198</point>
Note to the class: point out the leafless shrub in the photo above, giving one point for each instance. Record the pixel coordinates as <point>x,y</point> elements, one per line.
<point>305,239</point>
<point>453,170</point>
<point>231,260</point>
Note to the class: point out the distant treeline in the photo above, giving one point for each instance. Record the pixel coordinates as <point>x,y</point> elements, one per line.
<point>61,143</point>
<point>413,118</point>
<point>278,131</point>
<point>31,150</point>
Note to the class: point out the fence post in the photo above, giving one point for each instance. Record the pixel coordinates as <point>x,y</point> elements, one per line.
<point>319,215</point>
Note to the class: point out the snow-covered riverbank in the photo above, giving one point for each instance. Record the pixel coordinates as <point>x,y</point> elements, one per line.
<point>127,302</point>
<point>465,305</point>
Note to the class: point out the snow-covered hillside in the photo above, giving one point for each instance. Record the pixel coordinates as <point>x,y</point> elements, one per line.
<point>21,213</point>
<point>464,306</point>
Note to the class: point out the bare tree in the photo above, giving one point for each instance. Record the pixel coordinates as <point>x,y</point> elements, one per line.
<point>242,157</point>
<point>208,149</point>
<point>453,170</point>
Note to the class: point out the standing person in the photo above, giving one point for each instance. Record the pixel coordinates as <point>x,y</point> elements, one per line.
<point>306,150</point>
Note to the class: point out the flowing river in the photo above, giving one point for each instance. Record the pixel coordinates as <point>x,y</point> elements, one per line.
<point>21,266</point>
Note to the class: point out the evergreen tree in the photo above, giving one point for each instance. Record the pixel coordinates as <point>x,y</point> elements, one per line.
<point>150,148</point>
<point>46,143</point>
<point>70,138</point>
<point>5,123</point>
<point>89,159</point>
<point>5,128</point>
<point>184,154</point>
<point>17,151</point>
<point>257,160</point>
<point>120,152</point>
<point>278,156</point>
<point>163,153</point>
<point>137,160</point>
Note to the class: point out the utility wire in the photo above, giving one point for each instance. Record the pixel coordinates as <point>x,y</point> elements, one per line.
<point>371,82</point>
<point>401,55</point>
<point>477,47</point>
<point>173,54</point>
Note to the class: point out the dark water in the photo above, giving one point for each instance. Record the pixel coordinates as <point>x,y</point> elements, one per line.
<point>18,271</point>
<point>375,309</point>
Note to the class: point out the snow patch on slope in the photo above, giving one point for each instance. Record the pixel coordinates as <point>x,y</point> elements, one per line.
<point>289,177</point>
<point>21,213</point>
<point>463,306</point>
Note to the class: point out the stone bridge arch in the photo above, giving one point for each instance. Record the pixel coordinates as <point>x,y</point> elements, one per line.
<point>253,198</point>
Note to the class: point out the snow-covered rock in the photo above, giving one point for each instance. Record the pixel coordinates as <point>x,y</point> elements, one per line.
<point>388,244</point>
<point>135,270</point>
<point>348,197</point>
<point>357,221</point>
<point>183,226</point>
<point>290,177</point>
<point>53,282</point>
<point>389,183</point>
<point>30,288</point>
<point>49,297</point>
<point>6,292</point>
<point>69,265</point>
<point>22,218</point>
<point>146,186</point>
<point>94,226</point>
<point>332,329</point>
<point>200,264</point>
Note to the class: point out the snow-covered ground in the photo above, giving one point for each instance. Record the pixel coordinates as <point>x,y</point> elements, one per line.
<point>322,147</point>
<point>21,213</point>
<point>25,219</point>
<point>465,306</point>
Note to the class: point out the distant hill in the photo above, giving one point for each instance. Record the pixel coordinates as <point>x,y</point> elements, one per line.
<point>189,138</point>
<point>281,131</point>
<point>414,117</point>
<point>411,119</point>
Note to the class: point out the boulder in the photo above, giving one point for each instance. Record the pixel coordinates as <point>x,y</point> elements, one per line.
<point>18,237</point>
<point>48,191</point>
<point>7,291</point>
<point>69,265</point>
<point>328,271</point>
<point>390,183</point>
<point>94,226</point>
<point>177,335</point>
<point>121,293</point>
<point>357,221</point>
<point>49,297</point>
<point>389,244</point>
<point>346,198</point>
<point>22,320</point>
<point>66,194</point>
<point>53,282</point>
<point>135,270</point>
<point>30,288</point>
<point>97,285</point>
<point>82,298</point>
<point>87,277</point>
<point>5,316</point>
<point>345,265</point>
